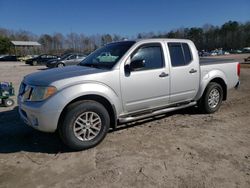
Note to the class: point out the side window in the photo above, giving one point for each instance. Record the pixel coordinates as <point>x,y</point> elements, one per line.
<point>80,56</point>
<point>180,54</point>
<point>51,56</point>
<point>72,57</point>
<point>176,54</point>
<point>151,54</point>
<point>187,53</point>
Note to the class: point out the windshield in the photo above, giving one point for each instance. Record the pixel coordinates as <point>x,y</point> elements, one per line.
<point>107,56</point>
<point>64,56</point>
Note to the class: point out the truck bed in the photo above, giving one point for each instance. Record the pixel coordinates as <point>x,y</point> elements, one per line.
<point>210,61</point>
<point>222,67</point>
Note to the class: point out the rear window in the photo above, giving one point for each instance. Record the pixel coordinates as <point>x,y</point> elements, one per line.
<point>176,54</point>
<point>180,54</point>
<point>187,53</point>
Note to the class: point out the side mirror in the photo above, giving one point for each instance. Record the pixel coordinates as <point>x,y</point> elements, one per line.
<point>137,64</point>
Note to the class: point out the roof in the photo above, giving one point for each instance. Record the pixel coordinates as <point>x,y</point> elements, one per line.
<point>25,43</point>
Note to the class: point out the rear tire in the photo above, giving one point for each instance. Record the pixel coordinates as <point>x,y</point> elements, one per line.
<point>8,102</point>
<point>85,125</point>
<point>211,99</point>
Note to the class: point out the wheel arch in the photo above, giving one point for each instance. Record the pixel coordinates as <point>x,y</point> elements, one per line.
<point>60,62</point>
<point>222,83</point>
<point>94,97</point>
<point>212,76</point>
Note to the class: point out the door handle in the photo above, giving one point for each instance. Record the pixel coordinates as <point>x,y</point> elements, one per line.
<point>192,71</point>
<point>163,74</point>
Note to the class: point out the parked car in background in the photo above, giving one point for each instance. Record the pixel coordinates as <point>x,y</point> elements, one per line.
<point>219,51</point>
<point>66,60</point>
<point>246,50</point>
<point>41,59</point>
<point>25,58</point>
<point>106,57</point>
<point>214,53</point>
<point>235,51</point>
<point>8,58</point>
<point>204,53</point>
<point>53,62</point>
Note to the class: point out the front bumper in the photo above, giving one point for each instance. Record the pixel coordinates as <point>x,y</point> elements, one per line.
<point>51,65</point>
<point>39,115</point>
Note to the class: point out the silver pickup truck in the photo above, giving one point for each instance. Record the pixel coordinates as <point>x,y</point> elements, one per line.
<point>137,79</point>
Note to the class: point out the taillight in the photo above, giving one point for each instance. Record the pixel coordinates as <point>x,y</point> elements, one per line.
<point>238,69</point>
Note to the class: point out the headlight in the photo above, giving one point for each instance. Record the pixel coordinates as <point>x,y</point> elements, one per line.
<point>39,93</point>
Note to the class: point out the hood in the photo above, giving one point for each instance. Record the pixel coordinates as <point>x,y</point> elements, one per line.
<point>46,77</point>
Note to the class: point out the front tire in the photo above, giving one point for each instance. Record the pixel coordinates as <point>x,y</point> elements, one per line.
<point>60,65</point>
<point>212,98</point>
<point>85,125</point>
<point>34,63</point>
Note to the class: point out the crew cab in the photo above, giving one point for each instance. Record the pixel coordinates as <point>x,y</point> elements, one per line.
<point>139,79</point>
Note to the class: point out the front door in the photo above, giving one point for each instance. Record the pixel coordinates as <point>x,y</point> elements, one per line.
<point>146,87</point>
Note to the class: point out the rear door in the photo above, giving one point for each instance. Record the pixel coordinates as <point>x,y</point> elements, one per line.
<point>147,87</point>
<point>185,68</point>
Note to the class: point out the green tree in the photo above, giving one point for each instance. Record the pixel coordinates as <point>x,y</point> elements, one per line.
<point>195,34</point>
<point>5,45</point>
<point>229,34</point>
<point>47,43</point>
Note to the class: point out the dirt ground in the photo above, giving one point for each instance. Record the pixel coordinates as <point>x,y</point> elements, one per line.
<point>180,149</point>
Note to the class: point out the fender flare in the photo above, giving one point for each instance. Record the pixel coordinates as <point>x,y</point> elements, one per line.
<point>207,78</point>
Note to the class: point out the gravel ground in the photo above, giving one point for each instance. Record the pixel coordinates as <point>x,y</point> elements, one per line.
<point>180,149</point>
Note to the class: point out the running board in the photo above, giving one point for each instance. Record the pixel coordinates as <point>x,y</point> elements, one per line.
<point>154,113</point>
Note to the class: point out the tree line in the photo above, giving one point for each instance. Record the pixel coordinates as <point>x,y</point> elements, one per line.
<point>56,43</point>
<point>229,36</point>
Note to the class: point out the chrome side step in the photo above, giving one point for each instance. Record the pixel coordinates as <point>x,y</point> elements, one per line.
<point>154,113</point>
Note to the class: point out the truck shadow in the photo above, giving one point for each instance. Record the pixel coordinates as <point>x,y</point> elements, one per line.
<point>15,136</point>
